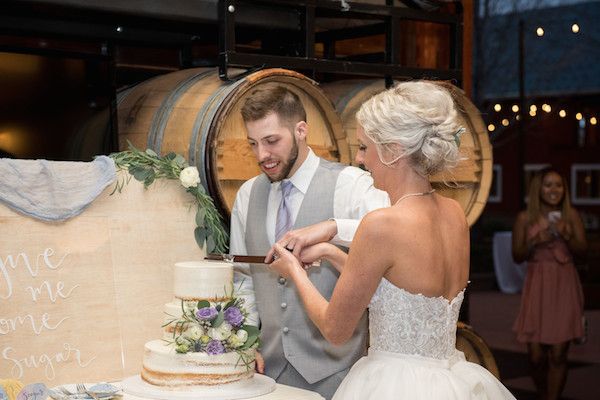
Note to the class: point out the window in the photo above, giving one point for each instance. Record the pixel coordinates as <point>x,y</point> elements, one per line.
<point>585,184</point>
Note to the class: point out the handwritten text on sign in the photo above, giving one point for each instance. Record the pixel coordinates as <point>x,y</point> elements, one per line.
<point>58,314</point>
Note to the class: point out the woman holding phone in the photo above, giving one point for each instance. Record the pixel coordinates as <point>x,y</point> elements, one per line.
<point>547,235</point>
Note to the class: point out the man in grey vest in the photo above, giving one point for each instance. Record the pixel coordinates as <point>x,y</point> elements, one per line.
<point>296,189</point>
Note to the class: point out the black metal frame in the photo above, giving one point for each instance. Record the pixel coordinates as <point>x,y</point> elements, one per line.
<point>309,10</point>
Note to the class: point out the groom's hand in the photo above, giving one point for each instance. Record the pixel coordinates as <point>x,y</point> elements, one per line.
<point>296,240</point>
<point>260,363</point>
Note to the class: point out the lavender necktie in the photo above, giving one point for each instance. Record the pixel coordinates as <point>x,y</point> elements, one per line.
<point>284,214</point>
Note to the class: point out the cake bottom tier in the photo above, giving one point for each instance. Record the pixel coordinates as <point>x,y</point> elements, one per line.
<point>163,366</point>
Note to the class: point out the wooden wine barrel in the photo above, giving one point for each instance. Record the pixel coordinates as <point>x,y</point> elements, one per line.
<point>475,348</point>
<point>194,113</point>
<point>473,176</point>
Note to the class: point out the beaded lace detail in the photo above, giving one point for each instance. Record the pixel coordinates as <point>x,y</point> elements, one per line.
<point>407,323</point>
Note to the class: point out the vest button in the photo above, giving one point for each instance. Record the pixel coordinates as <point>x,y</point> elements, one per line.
<point>286,329</point>
<point>282,280</point>
<point>283,305</point>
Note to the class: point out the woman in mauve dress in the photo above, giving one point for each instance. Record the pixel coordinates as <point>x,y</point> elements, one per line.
<point>548,234</point>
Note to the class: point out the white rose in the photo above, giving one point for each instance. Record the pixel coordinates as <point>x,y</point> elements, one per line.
<point>242,335</point>
<point>220,333</point>
<point>234,341</point>
<point>189,177</point>
<point>194,332</point>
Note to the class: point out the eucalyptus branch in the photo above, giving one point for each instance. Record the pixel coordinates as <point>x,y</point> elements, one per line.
<point>147,166</point>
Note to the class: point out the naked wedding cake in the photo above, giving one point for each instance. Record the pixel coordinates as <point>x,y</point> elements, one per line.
<point>205,338</point>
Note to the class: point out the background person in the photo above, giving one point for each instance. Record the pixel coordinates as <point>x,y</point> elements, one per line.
<point>547,235</point>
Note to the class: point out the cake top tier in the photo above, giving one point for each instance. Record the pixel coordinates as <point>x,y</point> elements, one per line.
<point>203,280</point>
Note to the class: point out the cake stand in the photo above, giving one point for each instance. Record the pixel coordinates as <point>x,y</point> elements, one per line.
<point>258,385</point>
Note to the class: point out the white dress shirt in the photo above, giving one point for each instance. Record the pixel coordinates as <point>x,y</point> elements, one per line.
<point>354,196</point>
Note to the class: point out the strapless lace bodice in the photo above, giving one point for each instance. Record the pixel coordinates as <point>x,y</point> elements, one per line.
<point>403,322</point>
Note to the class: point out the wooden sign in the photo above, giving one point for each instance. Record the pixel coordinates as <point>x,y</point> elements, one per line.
<point>79,298</point>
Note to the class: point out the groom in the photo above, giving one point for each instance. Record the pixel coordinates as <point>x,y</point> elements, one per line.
<point>296,189</point>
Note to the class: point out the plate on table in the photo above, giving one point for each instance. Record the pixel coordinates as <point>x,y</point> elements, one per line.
<point>103,391</point>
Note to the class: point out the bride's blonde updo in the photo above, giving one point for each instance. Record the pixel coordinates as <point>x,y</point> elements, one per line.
<point>415,119</point>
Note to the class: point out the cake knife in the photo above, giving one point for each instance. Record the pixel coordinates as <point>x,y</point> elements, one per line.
<point>236,258</point>
<point>247,259</point>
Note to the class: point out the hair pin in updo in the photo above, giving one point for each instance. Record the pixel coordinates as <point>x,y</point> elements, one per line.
<point>457,135</point>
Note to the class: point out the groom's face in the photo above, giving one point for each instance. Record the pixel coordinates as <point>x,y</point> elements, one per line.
<point>274,146</point>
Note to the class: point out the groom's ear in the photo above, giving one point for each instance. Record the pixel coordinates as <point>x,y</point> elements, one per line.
<point>301,130</point>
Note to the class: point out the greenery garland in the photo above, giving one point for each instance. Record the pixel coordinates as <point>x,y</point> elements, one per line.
<point>147,166</point>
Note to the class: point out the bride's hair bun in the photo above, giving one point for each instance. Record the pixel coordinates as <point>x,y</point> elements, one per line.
<point>415,119</point>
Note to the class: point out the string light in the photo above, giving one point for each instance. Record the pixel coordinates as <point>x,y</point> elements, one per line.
<point>533,108</point>
<point>497,107</point>
<point>546,107</point>
<point>515,108</point>
<point>504,122</point>
<point>593,120</point>
<point>539,31</point>
<point>578,116</point>
<point>562,113</point>
<point>491,128</point>
<point>532,113</point>
<point>575,28</point>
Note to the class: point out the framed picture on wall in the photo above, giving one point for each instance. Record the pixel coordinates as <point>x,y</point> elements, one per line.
<point>585,184</point>
<point>496,188</point>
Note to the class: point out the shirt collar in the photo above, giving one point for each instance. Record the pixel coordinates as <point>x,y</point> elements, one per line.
<point>302,177</point>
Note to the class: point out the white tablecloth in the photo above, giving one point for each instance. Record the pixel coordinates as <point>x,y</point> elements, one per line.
<point>510,276</point>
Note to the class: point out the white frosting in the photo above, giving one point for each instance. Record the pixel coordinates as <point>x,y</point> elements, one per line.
<point>197,280</point>
<point>163,366</point>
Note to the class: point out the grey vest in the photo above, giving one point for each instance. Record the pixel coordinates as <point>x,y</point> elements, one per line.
<point>287,333</point>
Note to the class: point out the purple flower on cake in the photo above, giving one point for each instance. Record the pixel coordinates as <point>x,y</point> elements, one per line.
<point>207,313</point>
<point>234,316</point>
<point>215,347</point>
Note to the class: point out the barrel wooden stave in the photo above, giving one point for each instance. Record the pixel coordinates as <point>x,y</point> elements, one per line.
<point>475,349</point>
<point>194,113</point>
<point>469,182</point>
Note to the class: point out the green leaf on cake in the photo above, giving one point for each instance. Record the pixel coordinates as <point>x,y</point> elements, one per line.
<point>249,342</point>
<point>251,329</point>
<point>203,304</point>
<point>219,320</point>
<point>229,304</point>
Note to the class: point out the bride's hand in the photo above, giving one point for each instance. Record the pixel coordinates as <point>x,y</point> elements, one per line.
<point>312,255</point>
<point>284,261</point>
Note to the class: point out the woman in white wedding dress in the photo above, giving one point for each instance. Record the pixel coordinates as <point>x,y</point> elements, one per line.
<point>409,263</point>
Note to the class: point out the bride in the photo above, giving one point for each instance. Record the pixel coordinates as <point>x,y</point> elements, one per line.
<point>408,264</point>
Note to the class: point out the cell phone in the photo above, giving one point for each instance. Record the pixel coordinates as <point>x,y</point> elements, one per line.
<point>554,216</point>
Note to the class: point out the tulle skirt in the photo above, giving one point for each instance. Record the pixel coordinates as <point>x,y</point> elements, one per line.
<point>383,375</point>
